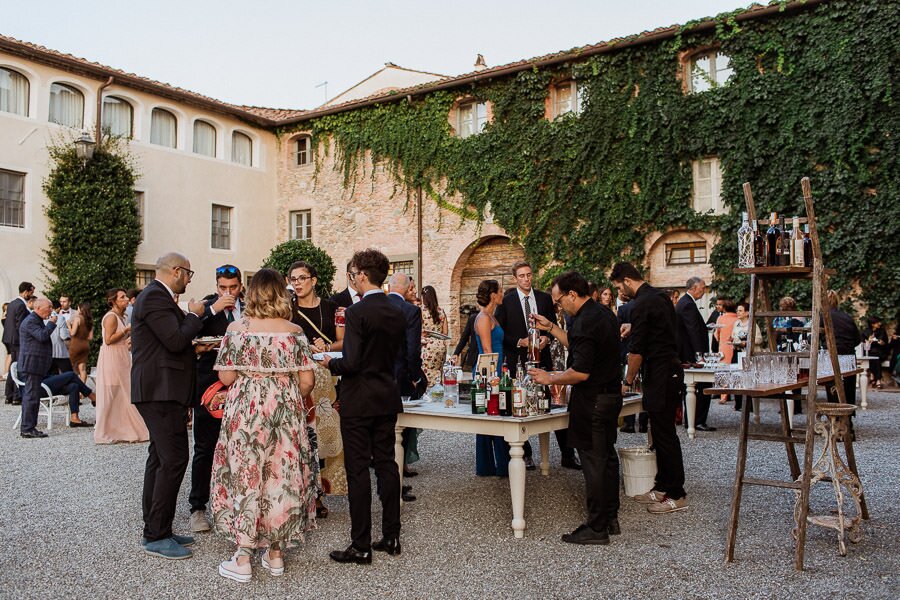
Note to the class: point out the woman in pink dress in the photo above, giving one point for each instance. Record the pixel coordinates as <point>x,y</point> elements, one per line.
<point>722,334</point>
<point>117,418</point>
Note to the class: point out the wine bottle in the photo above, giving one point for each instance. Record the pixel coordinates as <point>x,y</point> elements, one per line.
<point>796,244</point>
<point>745,244</point>
<point>784,259</point>
<point>807,247</point>
<point>506,391</point>
<point>483,395</point>
<point>759,246</point>
<point>773,242</point>
<point>476,390</point>
<point>518,402</point>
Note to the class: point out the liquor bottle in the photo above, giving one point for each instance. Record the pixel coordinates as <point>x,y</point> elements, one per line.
<point>519,391</point>
<point>784,258</point>
<point>506,392</point>
<point>534,343</point>
<point>477,393</point>
<point>759,246</point>
<point>484,394</point>
<point>796,244</point>
<point>451,385</point>
<point>493,392</point>
<point>745,244</point>
<point>543,399</point>
<point>773,242</point>
<point>807,247</point>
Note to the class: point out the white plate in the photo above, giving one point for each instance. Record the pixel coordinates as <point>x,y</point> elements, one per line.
<point>210,339</point>
<point>412,403</point>
<point>321,355</point>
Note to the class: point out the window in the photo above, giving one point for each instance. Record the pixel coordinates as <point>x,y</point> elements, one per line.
<point>566,98</point>
<point>707,194</point>
<point>686,253</point>
<point>241,149</point>
<point>66,106</point>
<point>221,227</point>
<point>204,138</point>
<point>709,70</point>
<point>139,204</point>
<point>118,117</point>
<point>14,90</point>
<point>12,199</point>
<point>144,275</point>
<point>248,277</point>
<point>301,225</point>
<point>302,149</point>
<point>471,118</point>
<point>163,128</point>
<point>402,266</point>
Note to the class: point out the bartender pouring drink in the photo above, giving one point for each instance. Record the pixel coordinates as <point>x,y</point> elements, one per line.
<point>595,402</point>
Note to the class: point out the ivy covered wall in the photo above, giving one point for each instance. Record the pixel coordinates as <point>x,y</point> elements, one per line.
<point>812,95</point>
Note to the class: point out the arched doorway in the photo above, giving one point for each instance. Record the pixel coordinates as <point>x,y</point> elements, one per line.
<point>488,258</point>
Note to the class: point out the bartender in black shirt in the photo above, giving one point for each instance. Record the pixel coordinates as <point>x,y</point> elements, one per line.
<point>654,348</point>
<point>595,401</point>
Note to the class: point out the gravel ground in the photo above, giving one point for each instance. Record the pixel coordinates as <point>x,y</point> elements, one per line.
<point>70,524</point>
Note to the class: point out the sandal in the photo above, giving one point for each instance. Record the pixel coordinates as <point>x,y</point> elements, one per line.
<point>321,510</point>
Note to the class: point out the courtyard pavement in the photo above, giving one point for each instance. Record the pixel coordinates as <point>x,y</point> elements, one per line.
<point>70,524</point>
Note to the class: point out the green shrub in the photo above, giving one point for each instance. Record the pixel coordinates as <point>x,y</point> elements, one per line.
<point>283,255</point>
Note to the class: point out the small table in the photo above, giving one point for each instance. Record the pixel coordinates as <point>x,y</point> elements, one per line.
<point>863,379</point>
<point>515,430</point>
<point>691,378</point>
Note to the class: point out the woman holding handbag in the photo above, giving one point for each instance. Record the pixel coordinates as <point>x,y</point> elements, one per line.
<point>318,317</point>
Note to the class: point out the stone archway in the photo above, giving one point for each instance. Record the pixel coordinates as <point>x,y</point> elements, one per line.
<point>490,257</point>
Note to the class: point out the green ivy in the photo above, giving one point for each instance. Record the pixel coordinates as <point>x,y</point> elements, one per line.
<point>284,255</point>
<point>811,95</point>
<point>94,230</point>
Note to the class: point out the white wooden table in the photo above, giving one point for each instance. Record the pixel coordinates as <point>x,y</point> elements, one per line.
<point>691,378</point>
<point>863,379</point>
<point>515,430</point>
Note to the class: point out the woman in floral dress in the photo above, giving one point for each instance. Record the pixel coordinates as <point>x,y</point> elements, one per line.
<point>263,483</point>
<point>434,350</point>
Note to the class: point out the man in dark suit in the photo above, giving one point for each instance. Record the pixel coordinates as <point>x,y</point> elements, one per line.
<point>349,296</point>
<point>467,342</point>
<point>693,337</point>
<point>222,308</point>
<point>512,315</point>
<point>370,400</point>
<point>711,320</point>
<point>624,317</point>
<point>162,390</point>
<point>15,314</point>
<point>35,357</point>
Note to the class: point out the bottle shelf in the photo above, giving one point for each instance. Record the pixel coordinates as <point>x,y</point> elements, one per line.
<point>781,272</point>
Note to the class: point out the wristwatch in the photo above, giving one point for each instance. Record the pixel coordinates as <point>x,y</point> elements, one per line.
<point>626,384</point>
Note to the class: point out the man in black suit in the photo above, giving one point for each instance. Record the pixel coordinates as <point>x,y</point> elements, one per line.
<point>370,400</point>
<point>162,390</point>
<point>624,317</point>
<point>467,342</point>
<point>35,357</point>
<point>711,320</point>
<point>15,314</point>
<point>349,296</point>
<point>693,337</point>
<point>513,315</point>
<point>222,308</point>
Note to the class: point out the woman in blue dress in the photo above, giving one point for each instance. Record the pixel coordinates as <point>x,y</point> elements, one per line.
<point>491,451</point>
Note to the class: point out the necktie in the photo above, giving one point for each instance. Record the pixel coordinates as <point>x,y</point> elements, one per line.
<point>527,310</point>
<point>229,315</point>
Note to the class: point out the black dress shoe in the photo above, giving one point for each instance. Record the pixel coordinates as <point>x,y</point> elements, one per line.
<point>80,424</point>
<point>571,462</point>
<point>410,473</point>
<point>613,527</point>
<point>34,433</point>
<point>586,535</point>
<point>389,545</point>
<point>704,427</point>
<point>407,497</point>
<point>352,555</point>
<point>627,429</point>
<point>529,464</point>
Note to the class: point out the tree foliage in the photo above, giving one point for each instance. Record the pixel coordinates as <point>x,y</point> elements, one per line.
<point>94,230</point>
<point>283,255</point>
<point>811,95</point>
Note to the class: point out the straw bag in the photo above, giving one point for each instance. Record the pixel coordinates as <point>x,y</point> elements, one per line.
<point>328,426</point>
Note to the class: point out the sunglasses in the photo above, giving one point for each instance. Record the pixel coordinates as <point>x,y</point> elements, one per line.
<point>227,270</point>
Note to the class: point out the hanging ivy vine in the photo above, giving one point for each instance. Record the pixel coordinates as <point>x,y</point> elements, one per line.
<point>811,95</point>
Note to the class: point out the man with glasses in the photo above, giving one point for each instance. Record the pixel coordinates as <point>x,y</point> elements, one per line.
<point>350,295</point>
<point>162,389</point>
<point>221,309</point>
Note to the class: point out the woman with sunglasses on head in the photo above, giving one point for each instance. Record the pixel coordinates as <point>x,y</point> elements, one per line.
<point>317,317</point>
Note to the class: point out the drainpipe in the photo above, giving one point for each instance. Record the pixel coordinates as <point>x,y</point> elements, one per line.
<point>100,108</point>
<point>419,236</point>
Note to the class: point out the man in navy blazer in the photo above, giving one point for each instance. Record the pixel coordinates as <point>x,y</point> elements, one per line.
<point>408,364</point>
<point>16,312</point>
<point>693,337</point>
<point>33,362</point>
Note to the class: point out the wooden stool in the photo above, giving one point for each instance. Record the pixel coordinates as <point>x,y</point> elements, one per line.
<point>833,426</point>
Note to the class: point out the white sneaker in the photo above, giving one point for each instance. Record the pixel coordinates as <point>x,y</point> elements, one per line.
<point>199,522</point>
<point>275,566</point>
<point>230,569</point>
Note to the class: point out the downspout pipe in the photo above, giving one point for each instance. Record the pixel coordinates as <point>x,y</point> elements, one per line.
<point>98,122</point>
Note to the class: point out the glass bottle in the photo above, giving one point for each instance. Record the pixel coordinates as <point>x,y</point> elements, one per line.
<point>807,247</point>
<point>773,242</point>
<point>796,244</point>
<point>745,244</point>
<point>759,246</point>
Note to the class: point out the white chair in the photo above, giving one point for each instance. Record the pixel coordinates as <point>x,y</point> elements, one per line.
<point>47,400</point>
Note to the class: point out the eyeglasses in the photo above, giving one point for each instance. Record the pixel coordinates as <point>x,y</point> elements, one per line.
<point>299,279</point>
<point>227,270</point>
<point>352,275</point>
<point>186,270</point>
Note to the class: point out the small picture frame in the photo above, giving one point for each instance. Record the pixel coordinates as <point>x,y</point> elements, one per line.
<point>484,362</point>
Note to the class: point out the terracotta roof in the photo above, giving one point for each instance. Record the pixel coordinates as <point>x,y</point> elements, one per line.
<point>275,114</point>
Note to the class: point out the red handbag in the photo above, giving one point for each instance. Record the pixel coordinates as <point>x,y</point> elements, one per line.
<point>213,399</point>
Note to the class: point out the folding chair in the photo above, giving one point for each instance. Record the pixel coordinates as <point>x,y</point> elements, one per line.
<point>47,401</point>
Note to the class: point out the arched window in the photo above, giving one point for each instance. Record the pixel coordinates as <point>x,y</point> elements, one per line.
<point>302,150</point>
<point>14,90</point>
<point>163,128</point>
<point>241,149</point>
<point>66,106</point>
<point>204,138</point>
<point>118,117</point>
<point>708,70</point>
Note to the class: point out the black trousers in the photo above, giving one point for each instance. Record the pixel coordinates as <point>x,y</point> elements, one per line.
<point>643,419</point>
<point>70,384</point>
<point>206,435</point>
<point>62,365</point>
<point>370,441</point>
<point>662,395</point>
<point>600,463</point>
<point>11,391</point>
<point>166,463</point>
<point>562,438</point>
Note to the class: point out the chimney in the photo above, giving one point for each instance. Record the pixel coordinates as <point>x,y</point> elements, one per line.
<point>480,65</point>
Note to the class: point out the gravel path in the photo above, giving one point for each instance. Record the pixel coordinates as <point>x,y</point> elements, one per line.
<point>70,522</point>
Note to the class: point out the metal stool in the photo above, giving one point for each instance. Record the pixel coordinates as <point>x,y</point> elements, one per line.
<point>832,424</point>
